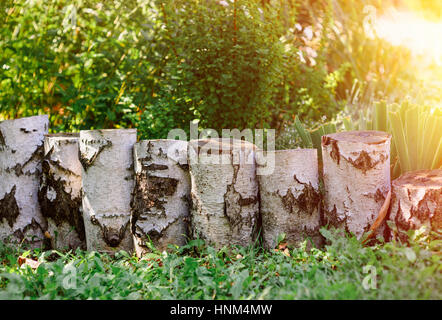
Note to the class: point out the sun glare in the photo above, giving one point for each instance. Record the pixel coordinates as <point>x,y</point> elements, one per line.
<point>421,36</point>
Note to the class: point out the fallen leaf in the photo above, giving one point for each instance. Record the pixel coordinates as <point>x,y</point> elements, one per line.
<point>30,262</point>
<point>282,245</point>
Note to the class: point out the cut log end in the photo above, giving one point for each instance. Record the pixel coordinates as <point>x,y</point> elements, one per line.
<point>60,191</point>
<point>160,206</point>
<point>366,137</point>
<point>422,179</point>
<point>107,182</point>
<point>290,198</point>
<point>417,202</point>
<point>356,171</point>
<point>21,153</point>
<point>220,145</point>
<point>224,191</point>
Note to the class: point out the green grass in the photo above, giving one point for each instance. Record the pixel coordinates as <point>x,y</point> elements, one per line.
<point>196,271</point>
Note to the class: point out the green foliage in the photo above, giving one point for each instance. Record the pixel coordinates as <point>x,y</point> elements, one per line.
<point>156,65</point>
<point>377,68</point>
<point>239,64</point>
<point>87,64</point>
<point>196,271</point>
<point>309,138</point>
<point>227,59</point>
<point>415,129</point>
<point>416,136</point>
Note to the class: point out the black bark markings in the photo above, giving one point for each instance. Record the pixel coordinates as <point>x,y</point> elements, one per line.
<point>86,162</point>
<point>148,193</point>
<point>2,139</point>
<point>379,196</point>
<point>421,212</point>
<point>153,234</point>
<point>63,208</point>
<point>363,162</point>
<point>19,168</point>
<point>235,219</point>
<point>332,218</point>
<point>21,233</point>
<point>184,167</point>
<point>154,166</point>
<point>334,153</point>
<point>111,236</point>
<point>9,209</point>
<point>307,201</point>
<point>231,197</point>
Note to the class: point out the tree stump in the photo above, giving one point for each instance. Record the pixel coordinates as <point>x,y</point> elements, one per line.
<point>416,201</point>
<point>21,152</point>
<point>107,181</point>
<point>356,173</point>
<point>224,191</point>
<point>160,205</point>
<point>60,191</point>
<point>290,198</point>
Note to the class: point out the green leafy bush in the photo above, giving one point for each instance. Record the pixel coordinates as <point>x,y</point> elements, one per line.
<point>240,65</point>
<point>156,65</point>
<point>88,64</point>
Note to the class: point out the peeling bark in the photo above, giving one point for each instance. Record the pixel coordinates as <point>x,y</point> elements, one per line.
<point>356,168</point>
<point>416,201</point>
<point>21,151</point>
<point>160,204</point>
<point>107,183</point>
<point>224,191</point>
<point>60,191</point>
<point>290,199</point>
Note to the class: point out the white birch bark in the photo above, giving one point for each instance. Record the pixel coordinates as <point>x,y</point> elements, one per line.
<point>60,191</point>
<point>356,171</point>
<point>290,198</point>
<point>107,182</point>
<point>416,201</point>
<point>21,152</point>
<point>160,204</point>
<point>224,191</point>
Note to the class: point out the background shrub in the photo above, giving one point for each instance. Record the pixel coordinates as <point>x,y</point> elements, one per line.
<point>156,65</point>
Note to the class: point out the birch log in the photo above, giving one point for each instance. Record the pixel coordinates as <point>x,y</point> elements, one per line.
<point>60,191</point>
<point>224,191</point>
<point>290,199</point>
<point>416,202</point>
<point>160,205</point>
<point>107,182</point>
<point>356,173</point>
<point>21,152</point>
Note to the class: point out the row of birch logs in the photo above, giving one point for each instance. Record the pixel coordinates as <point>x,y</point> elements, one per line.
<point>102,190</point>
